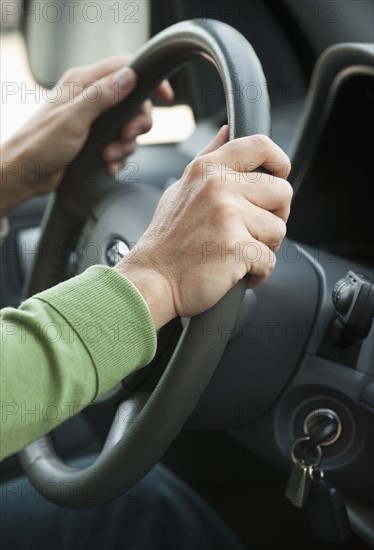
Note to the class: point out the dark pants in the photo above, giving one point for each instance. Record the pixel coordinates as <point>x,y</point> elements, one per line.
<point>161,512</point>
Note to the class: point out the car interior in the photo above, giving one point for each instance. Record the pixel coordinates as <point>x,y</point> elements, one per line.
<point>291,361</point>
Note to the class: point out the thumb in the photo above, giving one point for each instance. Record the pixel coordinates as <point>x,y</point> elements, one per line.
<point>99,96</point>
<point>221,138</point>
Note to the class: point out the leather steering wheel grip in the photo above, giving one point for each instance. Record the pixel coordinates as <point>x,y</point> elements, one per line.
<point>134,445</point>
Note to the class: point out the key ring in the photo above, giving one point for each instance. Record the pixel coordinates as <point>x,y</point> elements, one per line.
<point>295,460</point>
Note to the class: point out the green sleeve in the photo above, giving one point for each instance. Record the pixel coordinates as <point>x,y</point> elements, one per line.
<point>65,347</point>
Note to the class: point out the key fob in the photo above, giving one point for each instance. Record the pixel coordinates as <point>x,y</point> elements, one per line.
<point>328,512</point>
<point>298,485</point>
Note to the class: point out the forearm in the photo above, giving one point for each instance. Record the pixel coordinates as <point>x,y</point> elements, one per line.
<point>67,346</point>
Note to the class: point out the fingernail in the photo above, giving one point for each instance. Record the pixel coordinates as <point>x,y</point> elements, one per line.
<point>126,78</point>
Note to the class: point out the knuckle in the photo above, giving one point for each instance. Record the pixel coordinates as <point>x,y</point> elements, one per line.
<point>71,75</point>
<point>279,230</point>
<point>269,262</point>
<point>194,169</point>
<point>127,151</point>
<point>286,192</point>
<point>288,165</point>
<point>147,125</point>
<point>260,141</point>
<point>223,211</point>
<point>272,263</point>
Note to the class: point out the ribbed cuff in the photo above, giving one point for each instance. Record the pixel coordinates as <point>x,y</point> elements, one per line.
<point>111,318</point>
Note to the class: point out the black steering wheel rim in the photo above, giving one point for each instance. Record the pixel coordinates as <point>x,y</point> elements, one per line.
<point>129,454</point>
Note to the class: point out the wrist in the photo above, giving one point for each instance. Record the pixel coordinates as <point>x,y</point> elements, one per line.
<point>153,286</point>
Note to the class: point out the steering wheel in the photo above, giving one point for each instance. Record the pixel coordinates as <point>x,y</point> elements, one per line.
<point>132,448</point>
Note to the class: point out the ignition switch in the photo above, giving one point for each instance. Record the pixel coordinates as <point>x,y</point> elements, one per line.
<point>323,426</point>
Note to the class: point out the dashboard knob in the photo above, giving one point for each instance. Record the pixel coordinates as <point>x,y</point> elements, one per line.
<point>353,300</point>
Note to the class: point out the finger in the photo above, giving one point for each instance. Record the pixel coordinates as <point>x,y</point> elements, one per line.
<point>109,65</point>
<point>76,79</point>
<point>164,92</point>
<point>263,225</point>
<point>140,124</point>
<point>118,151</point>
<point>283,213</point>
<point>267,192</point>
<point>248,153</point>
<point>126,144</point>
<point>103,94</point>
<point>220,139</point>
<point>259,260</point>
<point>86,74</point>
<point>114,168</point>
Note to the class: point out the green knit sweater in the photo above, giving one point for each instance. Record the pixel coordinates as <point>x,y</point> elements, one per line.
<point>65,347</point>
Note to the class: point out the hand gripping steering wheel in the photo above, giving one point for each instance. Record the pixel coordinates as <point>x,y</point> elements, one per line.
<point>133,448</point>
